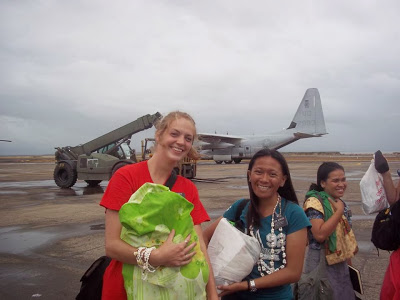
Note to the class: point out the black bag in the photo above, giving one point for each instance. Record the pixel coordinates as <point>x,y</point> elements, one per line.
<point>92,280</point>
<point>386,228</point>
<point>315,284</point>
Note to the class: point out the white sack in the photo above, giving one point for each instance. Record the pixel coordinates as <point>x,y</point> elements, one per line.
<point>232,253</point>
<point>373,194</point>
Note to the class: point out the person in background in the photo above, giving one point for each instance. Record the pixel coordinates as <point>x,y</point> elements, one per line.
<point>391,282</point>
<point>382,166</point>
<point>274,217</point>
<point>174,137</point>
<point>326,211</point>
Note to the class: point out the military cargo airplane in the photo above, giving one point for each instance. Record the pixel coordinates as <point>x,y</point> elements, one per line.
<point>308,122</point>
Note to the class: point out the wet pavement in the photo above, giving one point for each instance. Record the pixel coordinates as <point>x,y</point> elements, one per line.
<point>50,236</point>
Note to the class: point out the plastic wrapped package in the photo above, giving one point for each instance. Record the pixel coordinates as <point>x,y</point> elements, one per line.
<point>232,253</point>
<point>373,196</point>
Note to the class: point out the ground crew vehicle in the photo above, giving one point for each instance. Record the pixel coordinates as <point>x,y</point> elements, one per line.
<point>98,159</point>
<point>186,167</point>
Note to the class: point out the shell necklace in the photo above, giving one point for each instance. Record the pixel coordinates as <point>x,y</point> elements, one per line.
<point>273,241</point>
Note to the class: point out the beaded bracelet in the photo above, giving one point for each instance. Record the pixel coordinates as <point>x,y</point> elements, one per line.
<point>142,257</point>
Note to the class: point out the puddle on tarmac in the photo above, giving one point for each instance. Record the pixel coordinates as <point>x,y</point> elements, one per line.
<point>27,184</point>
<point>19,240</point>
<point>13,193</point>
<point>79,189</point>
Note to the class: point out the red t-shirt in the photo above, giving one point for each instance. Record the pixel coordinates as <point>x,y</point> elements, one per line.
<point>391,283</point>
<point>120,188</point>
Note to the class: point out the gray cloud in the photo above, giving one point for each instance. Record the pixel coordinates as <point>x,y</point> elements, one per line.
<point>71,71</point>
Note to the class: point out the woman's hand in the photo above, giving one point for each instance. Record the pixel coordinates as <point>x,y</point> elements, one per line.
<point>338,205</point>
<point>232,288</point>
<point>170,254</point>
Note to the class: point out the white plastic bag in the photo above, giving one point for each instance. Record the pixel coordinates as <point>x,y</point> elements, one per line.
<point>373,194</point>
<point>232,253</point>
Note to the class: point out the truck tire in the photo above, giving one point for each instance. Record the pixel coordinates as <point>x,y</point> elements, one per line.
<point>218,162</point>
<point>93,183</point>
<point>64,175</point>
<point>118,166</point>
<point>227,161</point>
<point>237,160</point>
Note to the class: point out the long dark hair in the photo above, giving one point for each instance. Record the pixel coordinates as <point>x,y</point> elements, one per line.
<point>323,173</point>
<point>286,191</point>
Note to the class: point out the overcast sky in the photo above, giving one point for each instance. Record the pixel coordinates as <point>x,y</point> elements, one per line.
<point>71,71</point>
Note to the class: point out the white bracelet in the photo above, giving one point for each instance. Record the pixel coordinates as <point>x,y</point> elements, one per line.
<point>148,266</point>
<point>138,254</point>
<point>142,257</point>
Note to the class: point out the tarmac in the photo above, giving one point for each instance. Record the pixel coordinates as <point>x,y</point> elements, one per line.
<point>50,236</point>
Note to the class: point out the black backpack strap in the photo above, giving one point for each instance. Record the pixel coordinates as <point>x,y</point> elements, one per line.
<point>171,180</point>
<point>239,224</point>
<point>240,208</point>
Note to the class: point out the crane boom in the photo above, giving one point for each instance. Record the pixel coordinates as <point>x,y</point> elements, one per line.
<point>124,132</point>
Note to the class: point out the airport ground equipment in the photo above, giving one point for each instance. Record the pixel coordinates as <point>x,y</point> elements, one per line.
<point>98,159</point>
<point>186,167</point>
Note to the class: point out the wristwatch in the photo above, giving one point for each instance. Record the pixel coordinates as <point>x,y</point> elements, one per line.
<point>252,286</point>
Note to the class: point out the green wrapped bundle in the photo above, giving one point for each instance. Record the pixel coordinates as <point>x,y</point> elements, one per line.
<point>147,219</point>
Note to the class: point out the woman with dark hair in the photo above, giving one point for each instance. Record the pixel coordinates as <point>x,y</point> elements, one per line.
<point>279,224</point>
<point>330,219</point>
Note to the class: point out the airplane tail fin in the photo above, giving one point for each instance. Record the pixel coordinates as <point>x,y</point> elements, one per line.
<point>309,118</point>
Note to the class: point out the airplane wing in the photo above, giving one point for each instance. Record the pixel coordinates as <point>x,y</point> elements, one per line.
<point>221,140</point>
<point>301,135</point>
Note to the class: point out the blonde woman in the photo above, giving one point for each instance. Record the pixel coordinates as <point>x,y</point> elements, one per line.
<point>174,139</point>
